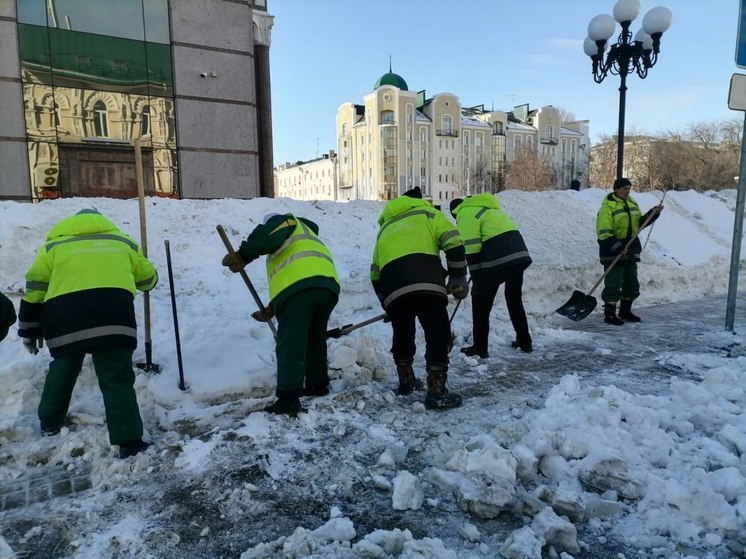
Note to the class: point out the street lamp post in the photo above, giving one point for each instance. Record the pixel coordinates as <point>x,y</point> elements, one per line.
<point>627,55</point>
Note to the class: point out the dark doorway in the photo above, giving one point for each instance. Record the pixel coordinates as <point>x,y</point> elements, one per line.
<point>103,172</point>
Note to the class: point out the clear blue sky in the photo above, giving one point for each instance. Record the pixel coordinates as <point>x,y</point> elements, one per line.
<point>498,52</point>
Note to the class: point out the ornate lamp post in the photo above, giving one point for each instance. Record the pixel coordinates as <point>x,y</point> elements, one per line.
<point>627,55</point>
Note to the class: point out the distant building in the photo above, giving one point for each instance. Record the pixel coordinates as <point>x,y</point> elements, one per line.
<point>78,85</point>
<point>310,180</point>
<point>398,139</point>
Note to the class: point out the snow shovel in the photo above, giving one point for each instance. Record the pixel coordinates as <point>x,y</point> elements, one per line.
<point>247,281</point>
<point>148,366</point>
<point>182,386</point>
<point>346,329</point>
<point>581,305</point>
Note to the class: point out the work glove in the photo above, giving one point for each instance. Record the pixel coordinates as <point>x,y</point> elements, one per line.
<point>265,315</point>
<point>458,286</point>
<point>33,345</point>
<point>234,262</point>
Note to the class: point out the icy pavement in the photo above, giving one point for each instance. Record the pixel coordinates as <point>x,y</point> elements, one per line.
<point>366,474</point>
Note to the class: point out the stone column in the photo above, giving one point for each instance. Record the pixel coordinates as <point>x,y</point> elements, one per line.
<point>262,29</point>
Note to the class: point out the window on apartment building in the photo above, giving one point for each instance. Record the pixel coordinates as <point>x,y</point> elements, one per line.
<point>549,132</point>
<point>387,117</point>
<point>423,153</point>
<point>564,145</point>
<point>530,142</point>
<point>423,135</point>
<point>423,171</point>
<point>498,128</point>
<point>453,161</point>
<point>344,129</point>
<point>446,123</point>
<point>100,120</point>
<point>145,121</point>
<point>480,139</point>
<point>466,138</point>
<point>573,145</point>
<point>517,141</point>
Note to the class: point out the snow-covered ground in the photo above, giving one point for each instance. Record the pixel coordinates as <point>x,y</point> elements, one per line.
<point>605,442</point>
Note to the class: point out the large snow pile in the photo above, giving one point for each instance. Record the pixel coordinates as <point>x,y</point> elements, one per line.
<point>576,450</point>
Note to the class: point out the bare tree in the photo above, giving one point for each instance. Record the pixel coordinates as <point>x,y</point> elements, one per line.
<point>565,115</point>
<point>528,171</point>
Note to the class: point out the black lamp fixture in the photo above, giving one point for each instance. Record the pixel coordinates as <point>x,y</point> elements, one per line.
<point>627,55</point>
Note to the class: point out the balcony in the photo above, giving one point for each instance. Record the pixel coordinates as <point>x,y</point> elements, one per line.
<point>549,141</point>
<point>447,132</point>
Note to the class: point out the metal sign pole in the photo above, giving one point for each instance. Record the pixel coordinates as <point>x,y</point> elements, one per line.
<point>735,255</point>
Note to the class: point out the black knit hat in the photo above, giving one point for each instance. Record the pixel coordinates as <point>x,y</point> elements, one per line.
<point>416,192</point>
<point>621,183</point>
<point>455,203</point>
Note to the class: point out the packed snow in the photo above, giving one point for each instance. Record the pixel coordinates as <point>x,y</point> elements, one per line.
<point>562,465</point>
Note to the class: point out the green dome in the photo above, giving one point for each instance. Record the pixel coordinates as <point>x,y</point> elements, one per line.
<point>391,79</point>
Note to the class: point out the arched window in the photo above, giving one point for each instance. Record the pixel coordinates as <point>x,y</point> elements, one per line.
<point>100,120</point>
<point>387,117</point>
<point>447,123</point>
<point>497,128</point>
<point>145,122</point>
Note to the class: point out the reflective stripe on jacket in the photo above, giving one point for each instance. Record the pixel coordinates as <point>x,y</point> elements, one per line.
<point>301,256</point>
<point>491,239</point>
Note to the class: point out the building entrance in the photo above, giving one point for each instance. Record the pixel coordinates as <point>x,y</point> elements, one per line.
<point>103,172</point>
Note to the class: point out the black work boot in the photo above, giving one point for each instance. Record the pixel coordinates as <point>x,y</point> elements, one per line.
<point>285,407</point>
<point>132,448</point>
<point>625,311</point>
<point>288,403</point>
<point>526,347</point>
<point>438,397</point>
<point>610,316</point>
<point>471,351</point>
<point>408,383</point>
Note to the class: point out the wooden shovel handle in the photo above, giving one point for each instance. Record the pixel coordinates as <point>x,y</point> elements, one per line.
<point>245,277</point>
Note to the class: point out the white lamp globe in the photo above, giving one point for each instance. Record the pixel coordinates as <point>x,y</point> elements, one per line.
<point>645,39</point>
<point>657,20</point>
<point>601,27</point>
<point>626,10</point>
<point>590,47</point>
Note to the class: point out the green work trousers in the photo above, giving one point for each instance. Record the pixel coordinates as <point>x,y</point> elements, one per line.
<point>621,283</point>
<point>116,379</point>
<point>301,340</point>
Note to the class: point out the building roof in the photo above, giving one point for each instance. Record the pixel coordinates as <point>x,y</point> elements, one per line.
<point>390,78</point>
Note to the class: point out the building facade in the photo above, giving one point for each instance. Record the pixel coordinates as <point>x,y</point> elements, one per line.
<point>79,82</point>
<point>399,139</point>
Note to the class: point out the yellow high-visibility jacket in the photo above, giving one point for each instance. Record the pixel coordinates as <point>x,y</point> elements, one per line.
<point>80,288</point>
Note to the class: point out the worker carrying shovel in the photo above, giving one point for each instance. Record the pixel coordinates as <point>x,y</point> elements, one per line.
<point>618,221</point>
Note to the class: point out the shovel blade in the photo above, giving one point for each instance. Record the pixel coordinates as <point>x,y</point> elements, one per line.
<point>578,306</point>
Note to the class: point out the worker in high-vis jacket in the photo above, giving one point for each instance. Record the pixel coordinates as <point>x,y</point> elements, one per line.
<point>80,298</point>
<point>496,253</point>
<point>410,282</point>
<point>618,220</point>
<point>303,291</point>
